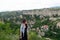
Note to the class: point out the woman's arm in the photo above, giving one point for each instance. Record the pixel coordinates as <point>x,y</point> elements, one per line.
<point>21,30</point>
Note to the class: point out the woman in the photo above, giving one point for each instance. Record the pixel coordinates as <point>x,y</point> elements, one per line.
<point>23,30</point>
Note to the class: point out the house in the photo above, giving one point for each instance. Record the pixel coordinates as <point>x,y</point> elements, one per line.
<point>58,25</point>
<point>44,28</point>
<point>52,19</point>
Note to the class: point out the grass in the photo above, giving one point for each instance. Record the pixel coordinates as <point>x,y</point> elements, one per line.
<point>9,36</point>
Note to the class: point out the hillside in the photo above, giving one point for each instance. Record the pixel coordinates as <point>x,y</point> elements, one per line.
<point>43,24</point>
<point>44,11</point>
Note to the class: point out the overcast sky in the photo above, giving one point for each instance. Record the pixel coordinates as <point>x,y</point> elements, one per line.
<point>11,5</point>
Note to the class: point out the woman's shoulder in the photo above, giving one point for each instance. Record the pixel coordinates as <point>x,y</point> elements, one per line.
<point>22,24</point>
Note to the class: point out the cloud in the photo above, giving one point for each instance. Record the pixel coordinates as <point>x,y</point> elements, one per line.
<point>9,5</point>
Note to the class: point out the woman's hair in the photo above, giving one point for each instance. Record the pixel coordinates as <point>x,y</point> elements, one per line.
<point>23,21</point>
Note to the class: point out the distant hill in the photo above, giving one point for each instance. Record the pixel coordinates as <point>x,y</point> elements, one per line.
<point>55,7</point>
<point>44,11</point>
